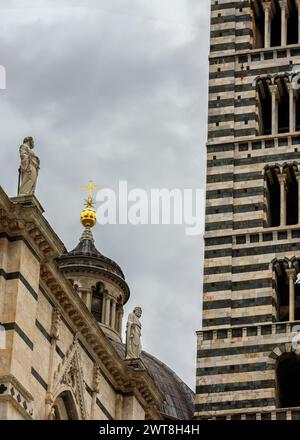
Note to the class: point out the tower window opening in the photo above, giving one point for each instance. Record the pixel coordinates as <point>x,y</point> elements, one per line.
<point>288,380</point>
<point>264,107</point>
<point>283,106</point>
<point>282,294</point>
<point>286,290</point>
<point>272,197</point>
<point>97,302</point>
<point>258,25</point>
<point>276,25</point>
<point>292,23</point>
<point>291,197</point>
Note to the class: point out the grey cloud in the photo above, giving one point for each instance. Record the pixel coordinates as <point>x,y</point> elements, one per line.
<point>111,96</point>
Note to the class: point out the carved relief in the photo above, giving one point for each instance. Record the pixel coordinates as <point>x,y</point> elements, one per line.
<point>56,321</point>
<point>69,375</point>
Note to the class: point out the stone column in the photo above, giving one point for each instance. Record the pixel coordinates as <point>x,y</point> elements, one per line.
<point>120,317</point>
<point>103,308</point>
<point>298,180</point>
<point>107,310</point>
<point>292,108</point>
<point>274,110</point>
<point>282,182</point>
<point>117,318</point>
<point>291,273</point>
<point>284,17</point>
<point>268,17</point>
<point>113,314</point>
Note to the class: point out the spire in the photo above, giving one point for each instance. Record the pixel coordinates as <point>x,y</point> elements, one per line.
<point>88,216</point>
<point>87,235</point>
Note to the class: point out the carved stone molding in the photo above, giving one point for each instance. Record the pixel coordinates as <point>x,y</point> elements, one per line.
<point>11,390</point>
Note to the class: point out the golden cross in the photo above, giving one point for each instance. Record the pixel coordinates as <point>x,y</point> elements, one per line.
<point>90,188</point>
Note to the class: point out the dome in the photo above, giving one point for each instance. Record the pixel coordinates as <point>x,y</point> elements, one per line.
<point>86,254</point>
<point>179,398</point>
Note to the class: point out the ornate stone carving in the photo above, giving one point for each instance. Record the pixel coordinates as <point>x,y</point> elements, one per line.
<point>96,379</point>
<point>12,390</point>
<point>133,334</point>
<point>29,168</point>
<point>69,373</point>
<point>56,320</point>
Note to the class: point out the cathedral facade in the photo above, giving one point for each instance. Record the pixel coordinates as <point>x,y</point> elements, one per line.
<point>61,314</point>
<point>248,364</point>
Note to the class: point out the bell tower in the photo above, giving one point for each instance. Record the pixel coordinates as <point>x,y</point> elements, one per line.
<point>248,360</point>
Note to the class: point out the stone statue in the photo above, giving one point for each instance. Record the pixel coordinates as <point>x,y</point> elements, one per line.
<point>30,165</point>
<point>133,334</point>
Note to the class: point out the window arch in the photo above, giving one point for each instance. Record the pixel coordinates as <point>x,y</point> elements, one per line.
<point>272,195</point>
<point>292,23</point>
<point>278,103</point>
<point>286,292</point>
<point>258,24</point>
<point>264,104</point>
<point>64,407</point>
<point>274,23</point>
<point>292,193</point>
<point>283,101</point>
<point>97,301</point>
<point>282,194</point>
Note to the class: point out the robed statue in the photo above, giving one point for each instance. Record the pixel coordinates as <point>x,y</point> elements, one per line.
<point>133,334</point>
<point>29,168</point>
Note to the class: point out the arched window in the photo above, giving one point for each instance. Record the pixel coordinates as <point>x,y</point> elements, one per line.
<point>292,23</point>
<point>64,407</point>
<point>283,105</point>
<point>288,380</point>
<point>281,286</point>
<point>278,104</point>
<point>264,106</point>
<point>286,292</point>
<point>97,301</point>
<point>258,24</point>
<point>291,194</point>
<point>282,194</point>
<point>276,25</point>
<point>272,196</point>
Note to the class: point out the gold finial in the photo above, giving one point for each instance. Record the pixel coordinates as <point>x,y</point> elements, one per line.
<point>88,215</point>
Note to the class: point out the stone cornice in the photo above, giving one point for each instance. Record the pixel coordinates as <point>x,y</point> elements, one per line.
<point>23,216</point>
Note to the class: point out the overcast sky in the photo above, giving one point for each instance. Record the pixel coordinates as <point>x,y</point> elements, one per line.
<point>115,90</point>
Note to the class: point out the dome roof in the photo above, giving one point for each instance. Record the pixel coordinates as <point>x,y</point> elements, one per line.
<point>86,254</point>
<point>179,398</point>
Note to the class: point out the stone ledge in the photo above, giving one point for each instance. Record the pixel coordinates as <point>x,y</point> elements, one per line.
<point>28,202</point>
